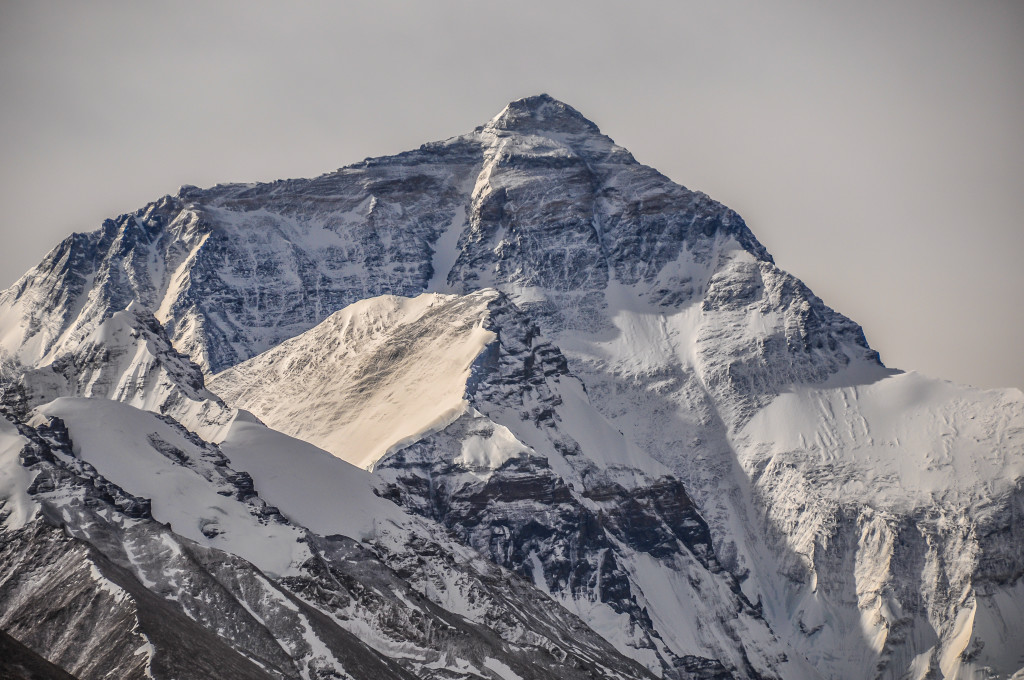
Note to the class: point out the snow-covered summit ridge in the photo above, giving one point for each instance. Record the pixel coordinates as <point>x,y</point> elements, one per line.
<point>541,113</point>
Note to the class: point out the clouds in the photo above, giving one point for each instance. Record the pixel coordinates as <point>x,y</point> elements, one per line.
<point>874,147</point>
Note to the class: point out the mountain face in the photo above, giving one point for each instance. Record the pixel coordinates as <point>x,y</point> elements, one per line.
<point>511,405</point>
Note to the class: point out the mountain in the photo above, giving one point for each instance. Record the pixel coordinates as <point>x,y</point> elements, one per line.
<point>517,464</point>
<point>509,405</point>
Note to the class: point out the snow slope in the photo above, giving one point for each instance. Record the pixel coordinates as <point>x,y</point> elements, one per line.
<point>374,375</point>
<point>137,450</point>
<point>16,506</point>
<point>901,443</point>
<point>205,579</point>
<point>311,487</point>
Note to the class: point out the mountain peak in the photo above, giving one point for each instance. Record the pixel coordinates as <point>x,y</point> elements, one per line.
<point>541,113</point>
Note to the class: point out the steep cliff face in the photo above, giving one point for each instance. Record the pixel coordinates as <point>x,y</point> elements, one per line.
<point>902,496</point>
<point>576,371</point>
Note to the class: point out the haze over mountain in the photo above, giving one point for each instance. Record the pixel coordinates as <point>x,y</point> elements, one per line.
<point>509,405</point>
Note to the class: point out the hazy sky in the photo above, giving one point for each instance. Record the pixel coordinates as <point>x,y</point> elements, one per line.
<point>875,148</point>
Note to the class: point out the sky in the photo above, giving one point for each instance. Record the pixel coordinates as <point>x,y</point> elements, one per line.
<point>876,148</point>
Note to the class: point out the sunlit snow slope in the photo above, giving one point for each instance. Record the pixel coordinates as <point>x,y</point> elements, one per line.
<point>378,373</point>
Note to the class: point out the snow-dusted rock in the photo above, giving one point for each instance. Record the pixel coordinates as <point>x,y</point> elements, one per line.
<point>516,462</point>
<point>615,394</point>
<point>128,358</point>
<point>206,579</point>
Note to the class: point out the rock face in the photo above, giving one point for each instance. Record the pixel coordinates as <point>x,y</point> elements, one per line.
<point>18,661</point>
<point>507,462</point>
<point>613,536</point>
<point>237,589</point>
<point>606,437</point>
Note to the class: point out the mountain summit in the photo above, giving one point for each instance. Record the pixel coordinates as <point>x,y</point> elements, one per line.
<point>541,113</point>
<point>509,405</point>
<point>498,207</point>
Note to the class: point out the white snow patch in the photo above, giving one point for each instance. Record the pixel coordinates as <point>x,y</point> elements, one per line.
<point>537,573</point>
<point>177,283</point>
<point>501,669</point>
<point>490,452</point>
<point>446,252</point>
<point>309,485</point>
<point>602,442</point>
<point>318,649</point>
<point>106,585</point>
<point>148,649</point>
<point>14,479</point>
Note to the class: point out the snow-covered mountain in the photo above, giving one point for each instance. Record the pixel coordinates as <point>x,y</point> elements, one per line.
<point>581,426</point>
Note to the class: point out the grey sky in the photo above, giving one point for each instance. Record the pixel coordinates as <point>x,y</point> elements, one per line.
<point>876,148</point>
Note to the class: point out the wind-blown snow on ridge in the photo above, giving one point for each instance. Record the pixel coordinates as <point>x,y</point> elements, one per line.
<point>378,373</point>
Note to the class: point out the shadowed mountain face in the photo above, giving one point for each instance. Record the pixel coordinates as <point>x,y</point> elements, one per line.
<point>606,435</point>
<point>18,661</point>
